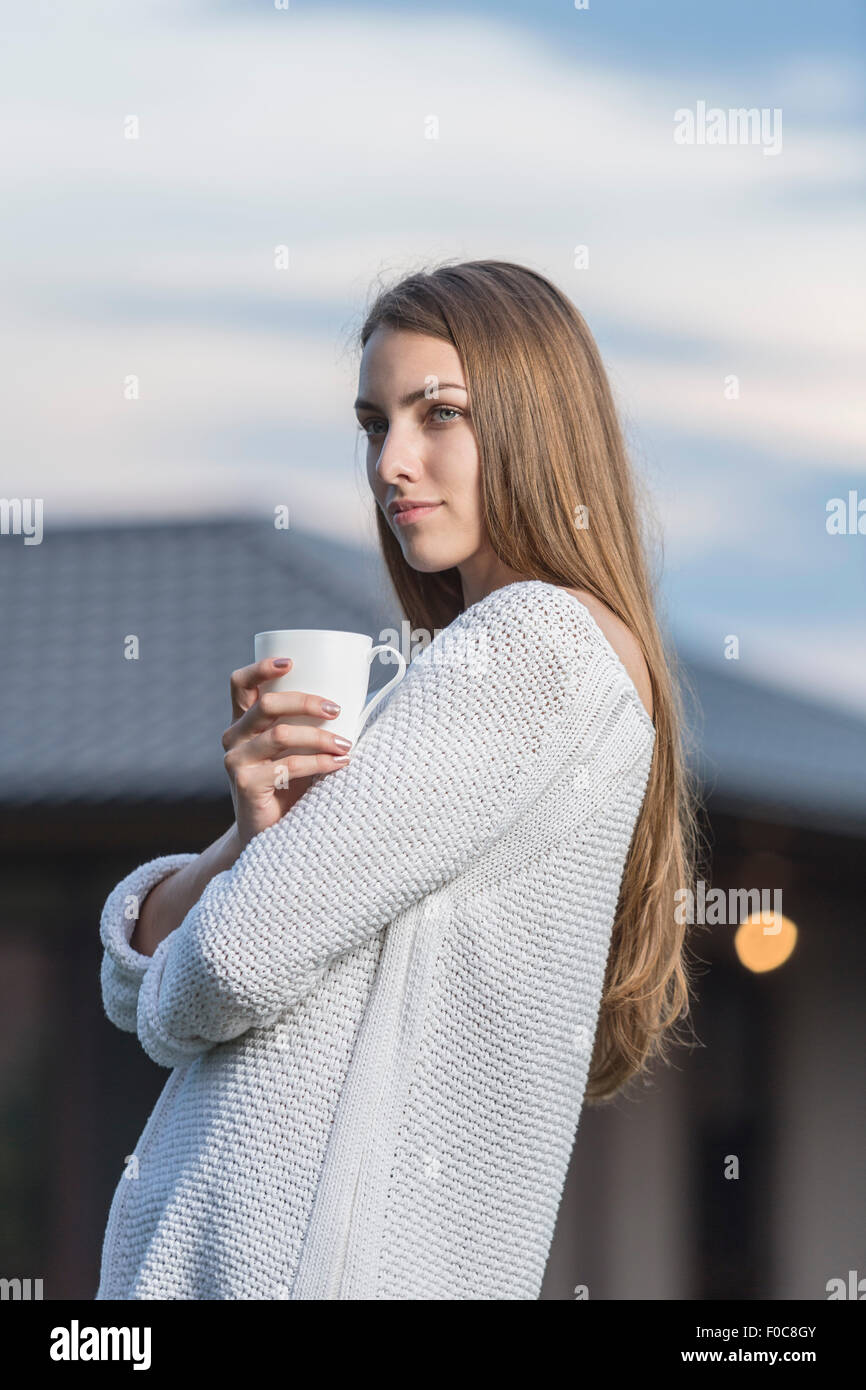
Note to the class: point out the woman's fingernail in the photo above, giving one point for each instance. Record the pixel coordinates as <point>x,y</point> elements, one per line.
<point>282,661</point>
<point>342,760</point>
<point>330,708</point>
<point>342,742</point>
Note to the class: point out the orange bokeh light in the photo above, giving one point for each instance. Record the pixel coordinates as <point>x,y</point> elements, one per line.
<point>764,943</point>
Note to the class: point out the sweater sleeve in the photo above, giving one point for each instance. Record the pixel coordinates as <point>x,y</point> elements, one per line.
<point>123,968</point>
<point>458,751</point>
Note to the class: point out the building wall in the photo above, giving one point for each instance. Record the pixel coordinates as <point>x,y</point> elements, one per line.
<point>647,1212</point>
<point>776,1081</point>
<point>820,1185</point>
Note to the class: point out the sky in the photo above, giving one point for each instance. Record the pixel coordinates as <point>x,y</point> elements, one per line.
<point>152,259</point>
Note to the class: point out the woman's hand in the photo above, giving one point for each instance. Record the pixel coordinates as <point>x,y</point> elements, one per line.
<point>270,764</point>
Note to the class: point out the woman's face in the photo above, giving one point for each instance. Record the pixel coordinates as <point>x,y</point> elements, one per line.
<point>413,407</point>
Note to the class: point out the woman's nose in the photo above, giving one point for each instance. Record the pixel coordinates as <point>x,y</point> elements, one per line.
<point>397,456</point>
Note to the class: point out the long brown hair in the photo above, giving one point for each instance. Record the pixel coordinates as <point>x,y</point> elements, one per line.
<point>549,440</point>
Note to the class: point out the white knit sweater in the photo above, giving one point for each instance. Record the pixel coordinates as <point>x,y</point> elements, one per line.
<point>380,1019</point>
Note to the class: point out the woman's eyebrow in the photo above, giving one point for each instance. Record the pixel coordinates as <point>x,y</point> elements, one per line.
<point>412,397</point>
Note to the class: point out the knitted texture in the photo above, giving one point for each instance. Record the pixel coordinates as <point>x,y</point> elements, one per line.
<point>380,1019</point>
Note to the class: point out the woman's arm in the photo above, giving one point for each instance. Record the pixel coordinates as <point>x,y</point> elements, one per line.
<point>150,903</point>
<point>171,898</point>
<point>484,718</point>
<point>123,968</point>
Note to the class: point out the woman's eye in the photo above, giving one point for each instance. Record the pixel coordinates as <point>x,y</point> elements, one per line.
<point>372,428</point>
<point>367,426</point>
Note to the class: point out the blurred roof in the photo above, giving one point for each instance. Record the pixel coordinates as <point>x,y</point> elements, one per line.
<point>83,724</point>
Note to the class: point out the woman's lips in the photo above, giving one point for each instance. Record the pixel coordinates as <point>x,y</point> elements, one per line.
<point>405,518</point>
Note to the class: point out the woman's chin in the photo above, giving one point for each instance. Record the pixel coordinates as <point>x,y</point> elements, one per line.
<point>427,561</point>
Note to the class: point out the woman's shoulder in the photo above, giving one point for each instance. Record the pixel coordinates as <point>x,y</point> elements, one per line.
<point>525,603</point>
<point>623,642</point>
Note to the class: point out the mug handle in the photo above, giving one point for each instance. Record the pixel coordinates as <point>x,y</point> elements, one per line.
<point>371,704</point>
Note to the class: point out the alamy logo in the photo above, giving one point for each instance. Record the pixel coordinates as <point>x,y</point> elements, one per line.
<point>846,519</point>
<point>451,646</point>
<point>22,516</point>
<point>76,1343</point>
<point>738,126</point>
<point>22,1289</point>
<point>717,908</point>
<point>855,1287</point>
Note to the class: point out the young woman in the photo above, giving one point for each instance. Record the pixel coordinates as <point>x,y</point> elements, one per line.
<point>386,991</point>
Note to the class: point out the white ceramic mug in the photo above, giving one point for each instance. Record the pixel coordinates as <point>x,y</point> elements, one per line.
<point>334,665</point>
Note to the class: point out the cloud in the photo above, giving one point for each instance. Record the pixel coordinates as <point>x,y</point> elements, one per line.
<point>819,425</point>
<point>309,130</point>
<point>156,256</point>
